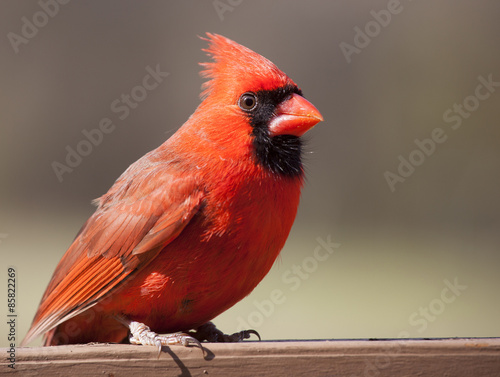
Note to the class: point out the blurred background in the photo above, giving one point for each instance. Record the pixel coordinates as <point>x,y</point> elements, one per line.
<point>412,236</point>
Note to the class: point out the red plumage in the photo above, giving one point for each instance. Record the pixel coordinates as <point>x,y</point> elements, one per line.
<point>193,226</point>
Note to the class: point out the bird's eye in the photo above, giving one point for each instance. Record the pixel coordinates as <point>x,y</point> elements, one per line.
<point>247,101</point>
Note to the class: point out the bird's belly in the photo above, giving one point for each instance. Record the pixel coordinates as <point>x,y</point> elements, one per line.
<point>175,292</point>
<point>174,296</point>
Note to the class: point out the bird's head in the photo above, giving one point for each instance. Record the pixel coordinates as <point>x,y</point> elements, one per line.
<point>249,96</point>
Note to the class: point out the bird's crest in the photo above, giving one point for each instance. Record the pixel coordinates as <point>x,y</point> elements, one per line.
<point>237,69</point>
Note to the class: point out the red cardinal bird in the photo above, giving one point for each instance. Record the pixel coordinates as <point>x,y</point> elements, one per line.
<point>193,226</point>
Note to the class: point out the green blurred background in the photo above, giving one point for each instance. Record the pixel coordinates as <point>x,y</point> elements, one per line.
<point>399,249</point>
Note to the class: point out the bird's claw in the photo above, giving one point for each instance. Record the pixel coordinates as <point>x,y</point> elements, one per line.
<point>245,334</point>
<point>142,334</point>
<point>210,333</point>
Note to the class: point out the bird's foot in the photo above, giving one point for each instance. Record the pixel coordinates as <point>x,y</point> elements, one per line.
<point>210,333</point>
<point>142,334</point>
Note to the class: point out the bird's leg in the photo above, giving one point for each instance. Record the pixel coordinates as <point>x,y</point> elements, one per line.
<point>210,333</point>
<point>142,334</point>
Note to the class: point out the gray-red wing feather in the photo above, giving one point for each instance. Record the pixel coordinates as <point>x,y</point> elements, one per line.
<point>132,224</point>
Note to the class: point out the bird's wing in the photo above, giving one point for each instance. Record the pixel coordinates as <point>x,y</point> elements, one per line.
<point>131,226</point>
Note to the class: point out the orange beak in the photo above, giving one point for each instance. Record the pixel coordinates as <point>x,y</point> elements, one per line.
<point>295,117</point>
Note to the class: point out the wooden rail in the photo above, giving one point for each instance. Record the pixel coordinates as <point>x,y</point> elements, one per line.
<point>475,357</point>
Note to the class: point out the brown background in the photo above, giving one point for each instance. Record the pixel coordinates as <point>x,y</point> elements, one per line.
<point>397,248</point>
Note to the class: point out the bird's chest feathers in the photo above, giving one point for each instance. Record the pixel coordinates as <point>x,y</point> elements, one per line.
<point>250,219</point>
